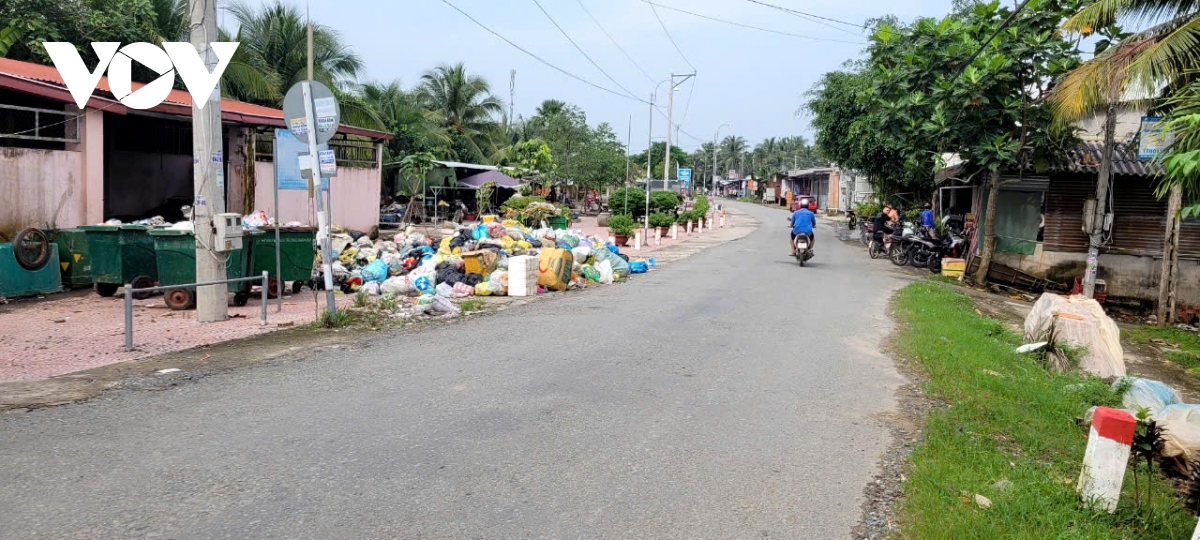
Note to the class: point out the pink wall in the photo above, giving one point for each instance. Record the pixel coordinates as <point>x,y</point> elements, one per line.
<point>40,188</point>
<point>355,198</point>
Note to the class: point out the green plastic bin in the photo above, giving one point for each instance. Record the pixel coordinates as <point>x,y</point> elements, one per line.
<point>120,254</point>
<point>297,253</point>
<point>175,252</point>
<point>17,282</point>
<point>558,222</point>
<point>74,261</point>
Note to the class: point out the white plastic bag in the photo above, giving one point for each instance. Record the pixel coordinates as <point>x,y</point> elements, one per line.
<point>1148,394</point>
<point>399,286</point>
<point>606,271</point>
<point>1079,322</point>
<point>1180,425</point>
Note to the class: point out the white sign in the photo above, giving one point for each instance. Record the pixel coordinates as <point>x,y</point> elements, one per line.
<point>172,57</point>
<point>325,110</point>
<point>1154,138</point>
<point>328,162</point>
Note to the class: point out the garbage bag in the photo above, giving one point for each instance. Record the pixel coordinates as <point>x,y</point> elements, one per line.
<point>424,285</point>
<point>481,289</point>
<point>605,269</point>
<point>1148,394</point>
<point>479,232</point>
<point>613,248</point>
<point>1180,425</point>
<point>371,288</point>
<point>399,286</point>
<point>570,240</point>
<point>1079,322</point>
<point>590,273</point>
<point>498,283</point>
<point>638,267</point>
<point>377,270</point>
<point>581,253</point>
<point>444,289</point>
<point>619,266</point>
<point>554,268</point>
<point>435,305</point>
<point>462,290</point>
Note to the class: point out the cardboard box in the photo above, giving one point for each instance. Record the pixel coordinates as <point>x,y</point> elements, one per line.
<point>522,275</point>
<point>953,267</point>
<point>481,262</point>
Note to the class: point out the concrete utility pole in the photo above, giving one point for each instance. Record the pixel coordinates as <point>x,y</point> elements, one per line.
<point>208,173</point>
<point>714,154</point>
<point>1096,235</point>
<point>1170,260</point>
<point>670,124</point>
<point>649,146</point>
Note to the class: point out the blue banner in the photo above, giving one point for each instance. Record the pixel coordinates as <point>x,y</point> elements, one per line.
<point>288,150</point>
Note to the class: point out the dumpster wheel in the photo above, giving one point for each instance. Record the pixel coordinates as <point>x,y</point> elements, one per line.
<point>143,282</point>
<point>274,285</point>
<point>105,289</point>
<point>180,299</point>
<point>32,248</point>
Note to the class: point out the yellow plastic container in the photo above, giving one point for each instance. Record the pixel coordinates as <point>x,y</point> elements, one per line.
<point>954,267</point>
<point>490,218</point>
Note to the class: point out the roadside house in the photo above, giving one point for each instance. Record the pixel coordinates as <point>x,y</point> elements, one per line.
<point>63,167</point>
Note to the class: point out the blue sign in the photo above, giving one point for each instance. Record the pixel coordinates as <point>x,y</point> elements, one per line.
<point>288,150</point>
<point>685,177</point>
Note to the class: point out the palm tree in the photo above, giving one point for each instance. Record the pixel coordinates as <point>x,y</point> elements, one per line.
<point>465,106</point>
<point>729,153</point>
<point>551,107</point>
<point>171,19</point>
<point>276,37</point>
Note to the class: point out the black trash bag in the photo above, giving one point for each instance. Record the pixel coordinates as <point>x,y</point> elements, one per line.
<point>472,279</point>
<point>623,256</point>
<point>357,234</point>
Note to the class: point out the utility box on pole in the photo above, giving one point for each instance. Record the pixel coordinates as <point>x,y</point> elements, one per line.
<point>208,169</point>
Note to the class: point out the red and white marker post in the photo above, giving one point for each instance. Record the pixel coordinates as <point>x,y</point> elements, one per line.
<point>1105,458</point>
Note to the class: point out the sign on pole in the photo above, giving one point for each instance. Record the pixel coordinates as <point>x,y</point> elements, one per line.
<point>685,177</point>
<point>325,109</point>
<point>1154,138</point>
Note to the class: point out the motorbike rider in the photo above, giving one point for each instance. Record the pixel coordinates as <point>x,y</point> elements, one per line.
<point>927,216</point>
<point>803,221</point>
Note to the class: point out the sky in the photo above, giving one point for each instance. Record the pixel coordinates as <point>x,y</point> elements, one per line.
<point>751,79</point>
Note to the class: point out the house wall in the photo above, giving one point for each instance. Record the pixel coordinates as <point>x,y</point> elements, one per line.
<point>355,198</point>
<point>1127,276</point>
<point>835,189</point>
<point>40,188</point>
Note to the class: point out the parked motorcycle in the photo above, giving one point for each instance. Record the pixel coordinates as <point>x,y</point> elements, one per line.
<point>851,219</point>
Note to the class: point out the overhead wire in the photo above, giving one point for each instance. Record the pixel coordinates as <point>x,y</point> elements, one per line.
<point>580,49</point>
<point>809,16</point>
<point>543,61</point>
<point>743,25</point>
<point>614,41</point>
<point>672,39</point>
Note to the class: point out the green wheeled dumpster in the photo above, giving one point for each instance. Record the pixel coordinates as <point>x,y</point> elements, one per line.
<point>74,259</point>
<point>175,251</point>
<point>297,252</point>
<point>121,254</point>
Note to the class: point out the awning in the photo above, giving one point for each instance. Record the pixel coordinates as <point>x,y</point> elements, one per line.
<point>499,178</point>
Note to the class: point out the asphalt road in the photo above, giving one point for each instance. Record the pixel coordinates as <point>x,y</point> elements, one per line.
<point>730,395</point>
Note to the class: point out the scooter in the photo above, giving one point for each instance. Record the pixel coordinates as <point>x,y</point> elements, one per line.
<point>803,247</point>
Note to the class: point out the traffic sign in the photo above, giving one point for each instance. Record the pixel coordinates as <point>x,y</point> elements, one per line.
<point>326,112</point>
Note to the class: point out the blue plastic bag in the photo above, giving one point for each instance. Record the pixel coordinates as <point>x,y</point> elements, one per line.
<point>424,285</point>
<point>612,248</point>
<point>652,262</point>
<point>377,270</point>
<point>479,232</point>
<point>638,267</point>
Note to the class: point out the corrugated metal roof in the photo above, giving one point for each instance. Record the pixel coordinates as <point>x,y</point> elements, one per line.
<point>177,102</point>
<point>1086,158</point>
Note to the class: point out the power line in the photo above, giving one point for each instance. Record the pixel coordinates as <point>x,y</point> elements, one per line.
<point>768,30</point>
<point>580,49</point>
<point>688,105</point>
<point>540,59</point>
<point>668,33</point>
<point>807,16</point>
<point>614,42</point>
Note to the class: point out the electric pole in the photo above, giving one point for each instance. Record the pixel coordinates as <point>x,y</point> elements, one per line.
<point>649,146</point>
<point>1096,235</point>
<point>670,124</point>
<point>208,174</point>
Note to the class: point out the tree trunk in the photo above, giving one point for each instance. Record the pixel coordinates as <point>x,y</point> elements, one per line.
<point>1170,260</point>
<point>989,229</point>
<point>249,180</point>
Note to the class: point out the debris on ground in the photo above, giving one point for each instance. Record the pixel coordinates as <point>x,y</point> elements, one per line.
<point>1082,324</point>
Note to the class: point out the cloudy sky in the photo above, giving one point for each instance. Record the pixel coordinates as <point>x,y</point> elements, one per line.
<point>750,78</point>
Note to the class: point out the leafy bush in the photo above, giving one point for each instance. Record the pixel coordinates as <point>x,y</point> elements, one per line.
<point>690,215</point>
<point>913,215</point>
<point>636,206</point>
<point>701,205</point>
<point>661,219</point>
<point>519,202</point>
<point>663,201</point>
<point>621,225</point>
<point>867,209</point>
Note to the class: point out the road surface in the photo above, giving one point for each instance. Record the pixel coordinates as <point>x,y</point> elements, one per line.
<point>729,395</point>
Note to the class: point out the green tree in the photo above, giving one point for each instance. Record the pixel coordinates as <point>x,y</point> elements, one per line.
<point>731,152</point>
<point>679,157</point>
<point>467,109</point>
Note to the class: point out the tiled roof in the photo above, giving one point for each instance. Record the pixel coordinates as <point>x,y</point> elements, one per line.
<point>1086,158</point>
<point>179,102</point>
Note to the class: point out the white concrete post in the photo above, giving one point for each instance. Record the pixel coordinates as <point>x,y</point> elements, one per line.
<point>700,225</point>
<point>1105,458</point>
<point>722,222</point>
<point>637,240</point>
<point>674,231</point>
<point>657,236</point>
<point>689,227</point>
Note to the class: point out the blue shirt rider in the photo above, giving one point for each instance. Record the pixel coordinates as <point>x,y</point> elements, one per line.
<point>927,216</point>
<point>803,221</point>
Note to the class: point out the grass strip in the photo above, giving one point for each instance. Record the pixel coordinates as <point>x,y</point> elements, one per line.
<point>1008,431</point>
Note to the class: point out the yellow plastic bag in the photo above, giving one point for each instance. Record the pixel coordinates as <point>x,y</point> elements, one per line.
<point>524,245</point>
<point>482,289</point>
<point>510,223</point>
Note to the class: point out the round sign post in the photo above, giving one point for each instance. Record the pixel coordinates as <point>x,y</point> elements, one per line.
<point>325,110</point>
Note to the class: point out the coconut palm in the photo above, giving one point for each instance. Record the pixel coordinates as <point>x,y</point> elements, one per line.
<point>400,112</point>
<point>277,36</point>
<point>466,107</point>
<point>729,153</point>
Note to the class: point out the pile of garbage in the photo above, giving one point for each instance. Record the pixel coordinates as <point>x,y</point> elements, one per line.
<point>254,221</point>
<point>489,259</point>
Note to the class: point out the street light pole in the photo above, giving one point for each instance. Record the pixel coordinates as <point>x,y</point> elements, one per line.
<point>670,124</point>
<point>711,186</point>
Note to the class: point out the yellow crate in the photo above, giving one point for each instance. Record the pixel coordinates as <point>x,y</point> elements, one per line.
<point>951,273</point>
<point>954,264</point>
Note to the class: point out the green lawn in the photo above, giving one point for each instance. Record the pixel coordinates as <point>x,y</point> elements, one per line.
<point>1006,418</point>
<point>1187,342</point>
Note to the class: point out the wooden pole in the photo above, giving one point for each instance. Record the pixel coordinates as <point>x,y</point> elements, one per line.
<point>1170,261</point>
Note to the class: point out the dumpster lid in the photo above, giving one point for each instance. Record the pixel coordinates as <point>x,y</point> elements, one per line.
<point>170,232</point>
